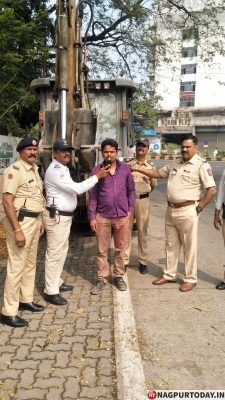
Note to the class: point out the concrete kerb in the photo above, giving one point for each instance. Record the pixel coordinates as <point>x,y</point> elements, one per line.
<point>130,374</point>
<point>173,157</point>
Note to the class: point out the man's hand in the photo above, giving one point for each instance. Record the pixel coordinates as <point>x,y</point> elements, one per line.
<point>217,223</point>
<point>20,238</point>
<point>217,220</point>
<point>93,225</point>
<point>103,172</point>
<point>133,167</point>
<point>129,214</point>
<point>199,209</point>
<point>42,229</point>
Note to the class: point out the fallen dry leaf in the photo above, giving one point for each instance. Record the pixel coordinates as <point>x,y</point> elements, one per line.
<point>79,311</point>
<point>201,309</point>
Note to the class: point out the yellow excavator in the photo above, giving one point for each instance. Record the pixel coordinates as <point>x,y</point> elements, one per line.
<point>81,111</point>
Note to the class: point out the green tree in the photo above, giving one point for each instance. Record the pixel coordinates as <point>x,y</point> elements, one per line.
<point>122,39</point>
<point>145,106</point>
<point>124,34</point>
<point>116,40</point>
<point>25,35</point>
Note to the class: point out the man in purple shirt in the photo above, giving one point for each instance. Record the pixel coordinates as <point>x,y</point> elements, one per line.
<point>111,203</point>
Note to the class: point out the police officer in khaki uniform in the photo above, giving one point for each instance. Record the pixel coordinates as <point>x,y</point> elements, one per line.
<point>23,202</point>
<point>218,223</point>
<point>187,176</point>
<point>143,187</point>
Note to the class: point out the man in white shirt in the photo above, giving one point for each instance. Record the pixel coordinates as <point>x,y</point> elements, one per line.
<point>217,220</point>
<point>61,198</point>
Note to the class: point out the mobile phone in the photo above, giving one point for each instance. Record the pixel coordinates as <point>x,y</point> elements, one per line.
<point>106,162</point>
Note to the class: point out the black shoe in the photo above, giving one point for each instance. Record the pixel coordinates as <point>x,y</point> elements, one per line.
<point>33,307</point>
<point>120,284</point>
<point>55,299</point>
<point>220,286</point>
<point>98,288</point>
<point>143,269</point>
<point>65,288</point>
<point>15,321</point>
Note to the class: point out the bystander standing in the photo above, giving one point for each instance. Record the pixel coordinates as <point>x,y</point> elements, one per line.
<point>143,187</point>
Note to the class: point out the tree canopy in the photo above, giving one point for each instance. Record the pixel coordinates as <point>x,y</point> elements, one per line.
<point>124,34</point>
<point>25,32</point>
<point>125,38</point>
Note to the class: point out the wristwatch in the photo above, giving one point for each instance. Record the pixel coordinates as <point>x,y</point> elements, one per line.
<point>199,209</point>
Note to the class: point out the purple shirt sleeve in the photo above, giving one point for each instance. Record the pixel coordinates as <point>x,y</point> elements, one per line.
<point>93,196</point>
<point>131,192</point>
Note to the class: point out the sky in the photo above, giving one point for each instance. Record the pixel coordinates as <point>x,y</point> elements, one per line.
<point>138,72</point>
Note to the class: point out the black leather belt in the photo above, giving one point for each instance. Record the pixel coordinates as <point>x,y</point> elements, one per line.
<point>31,214</point>
<point>143,196</point>
<point>64,213</point>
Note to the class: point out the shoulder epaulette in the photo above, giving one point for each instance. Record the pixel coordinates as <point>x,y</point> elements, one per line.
<point>151,163</point>
<point>127,160</point>
<point>203,160</point>
<point>15,166</point>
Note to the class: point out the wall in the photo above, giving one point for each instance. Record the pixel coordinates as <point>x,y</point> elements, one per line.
<point>8,154</point>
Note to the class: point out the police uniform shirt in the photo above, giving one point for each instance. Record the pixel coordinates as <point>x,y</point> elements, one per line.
<point>23,181</point>
<point>186,180</point>
<point>61,189</point>
<point>221,192</point>
<point>143,184</point>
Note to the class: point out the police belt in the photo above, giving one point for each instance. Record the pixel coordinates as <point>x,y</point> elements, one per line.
<point>60,212</point>
<point>143,196</point>
<point>31,214</point>
<point>183,204</point>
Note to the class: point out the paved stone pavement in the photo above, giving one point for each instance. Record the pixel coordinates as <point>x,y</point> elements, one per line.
<point>66,352</point>
<point>181,335</point>
<point>69,352</point>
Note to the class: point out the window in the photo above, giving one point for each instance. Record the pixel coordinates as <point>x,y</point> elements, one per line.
<point>188,69</point>
<point>189,51</point>
<point>190,34</point>
<point>187,101</point>
<point>187,86</point>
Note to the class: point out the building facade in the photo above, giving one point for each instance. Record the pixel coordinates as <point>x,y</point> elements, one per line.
<point>192,93</point>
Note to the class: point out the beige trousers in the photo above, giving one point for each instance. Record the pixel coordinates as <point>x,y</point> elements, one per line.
<point>106,228</point>
<point>223,230</point>
<point>223,233</point>
<point>21,266</point>
<point>141,214</point>
<point>181,226</point>
<point>58,231</point>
